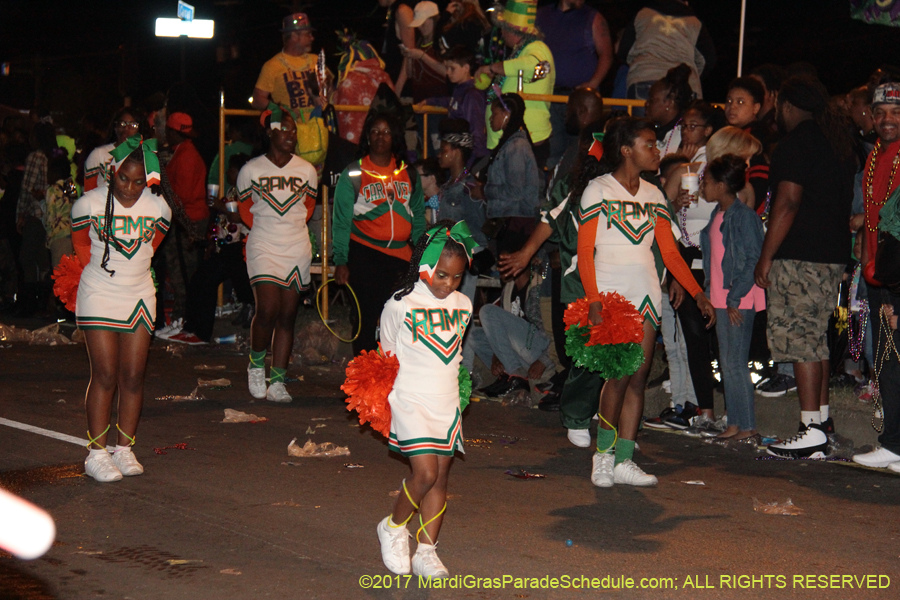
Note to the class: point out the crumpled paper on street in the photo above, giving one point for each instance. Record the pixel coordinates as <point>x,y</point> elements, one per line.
<point>236,416</point>
<point>786,508</point>
<point>312,449</point>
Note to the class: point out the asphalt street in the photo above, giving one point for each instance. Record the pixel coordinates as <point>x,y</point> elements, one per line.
<point>232,516</point>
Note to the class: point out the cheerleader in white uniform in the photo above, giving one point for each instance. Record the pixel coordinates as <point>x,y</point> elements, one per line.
<point>423,325</point>
<point>98,166</point>
<point>277,198</point>
<point>115,232</point>
<point>621,216</point>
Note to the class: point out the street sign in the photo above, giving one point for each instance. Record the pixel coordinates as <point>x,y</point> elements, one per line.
<point>185,11</point>
<point>198,28</point>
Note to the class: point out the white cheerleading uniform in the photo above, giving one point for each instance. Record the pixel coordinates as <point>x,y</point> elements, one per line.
<point>425,334</point>
<point>99,167</point>
<point>278,248</point>
<point>623,255</point>
<point>127,300</point>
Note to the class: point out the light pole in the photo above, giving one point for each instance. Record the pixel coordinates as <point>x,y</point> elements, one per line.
<point>185,26</point>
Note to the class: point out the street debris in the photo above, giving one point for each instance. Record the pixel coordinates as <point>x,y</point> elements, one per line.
<point>179,446</point>
<point>219,384</point>
<point>523,474</point>
<point>354,465</point>
<point>786,508</point>
<point>312,449</point>
<point>693,482</point>
<point>209,367</point>
<point>192,397</point>
<point>236,416</point>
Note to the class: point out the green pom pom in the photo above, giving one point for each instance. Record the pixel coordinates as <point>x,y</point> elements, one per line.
<point>610,361</point>
<point>465,388</point>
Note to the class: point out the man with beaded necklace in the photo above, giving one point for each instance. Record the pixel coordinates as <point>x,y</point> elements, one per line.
<point>880,183</point>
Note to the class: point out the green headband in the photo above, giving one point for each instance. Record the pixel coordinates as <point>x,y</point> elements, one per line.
<point>437,239</point>
<point>148,149</point>
<point>274,110</point>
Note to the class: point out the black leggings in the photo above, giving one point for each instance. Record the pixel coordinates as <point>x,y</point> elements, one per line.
<point>697,338</point>
<point>374,276</point>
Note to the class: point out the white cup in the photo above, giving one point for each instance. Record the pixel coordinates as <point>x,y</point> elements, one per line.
<point>212,190</point>
<point>231,206</point>
<point>691,183</point>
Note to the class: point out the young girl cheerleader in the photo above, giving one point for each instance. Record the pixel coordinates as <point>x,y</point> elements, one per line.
<point>621,215</point>
<point>423,325</point>
<point>277,198</point>
<point>115,232</point>
<point>97,172</point>
<point>731,244</point>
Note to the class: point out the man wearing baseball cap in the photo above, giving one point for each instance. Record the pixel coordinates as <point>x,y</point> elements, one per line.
<point>880,189</point>
<point>289,77</point>
<point>187,174</point>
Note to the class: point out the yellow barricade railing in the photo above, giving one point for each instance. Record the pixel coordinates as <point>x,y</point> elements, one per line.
<point>628,105</point>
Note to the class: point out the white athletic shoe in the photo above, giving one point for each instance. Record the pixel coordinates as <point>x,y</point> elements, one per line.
<point>880,458</point>
<point>278,393</point>
<point>126,462</point>
<point>810,442</point>
<point>579,437</point>
<point>394,547</point>
<point>426,563</point>
<point>895,466</point>
<point>101,467</point>
<point>630,474</point>
<point>256,381</point>
<point>602,472</point>
<point>169,330</point>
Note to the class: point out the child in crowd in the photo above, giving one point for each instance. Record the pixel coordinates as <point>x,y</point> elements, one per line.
<point>423,325</point>
<point>467,101</point>
<point>731,244</point>
<point>277,198</point>
<point>116,302</point>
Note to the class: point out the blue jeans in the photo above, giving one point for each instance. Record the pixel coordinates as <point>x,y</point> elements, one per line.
<point>734,354</point>
<point>676,354</point>
<point>514,341</point>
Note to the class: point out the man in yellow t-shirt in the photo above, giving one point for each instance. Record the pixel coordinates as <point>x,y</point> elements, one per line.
<point>289,77</point>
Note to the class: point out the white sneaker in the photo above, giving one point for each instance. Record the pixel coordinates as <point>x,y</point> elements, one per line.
<point>101,467</point>
<point>394,547</point>
<point>895,467</point>
<point>169,330</point>
<point>602,471</point>
<point>630,474</point>
<point>579,437</point>
<point>880,458</point>
<point>127,464</point>
<point>810,442</point>
<point>426,563</point>
<point>278,393</point>
<point>256,381</point>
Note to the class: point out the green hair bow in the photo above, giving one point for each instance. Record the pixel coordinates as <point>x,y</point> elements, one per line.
<point>437,239</point>
<point>148,149</point>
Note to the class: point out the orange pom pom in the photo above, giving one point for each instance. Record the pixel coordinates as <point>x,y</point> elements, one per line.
<point>577,313</point>
<point>66,276</point>
<point>370,378</point>
<point>621,323</point>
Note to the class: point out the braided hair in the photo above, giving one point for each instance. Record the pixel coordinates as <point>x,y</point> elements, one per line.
<point>164,189</point>
<point>451,249</point>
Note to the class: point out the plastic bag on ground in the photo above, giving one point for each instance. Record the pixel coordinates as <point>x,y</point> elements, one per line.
<point>314,345</point>
<point>312,449</point>
<point>49,336</point>
<point>236,416</point>
<point>786,508</point>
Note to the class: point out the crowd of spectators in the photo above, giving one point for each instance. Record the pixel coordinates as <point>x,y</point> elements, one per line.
<point>810,165</point>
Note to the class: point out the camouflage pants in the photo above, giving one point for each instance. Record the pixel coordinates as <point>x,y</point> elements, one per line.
<point>801,299</point>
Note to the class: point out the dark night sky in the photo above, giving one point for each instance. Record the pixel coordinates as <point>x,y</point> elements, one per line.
<point>91,58</point>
